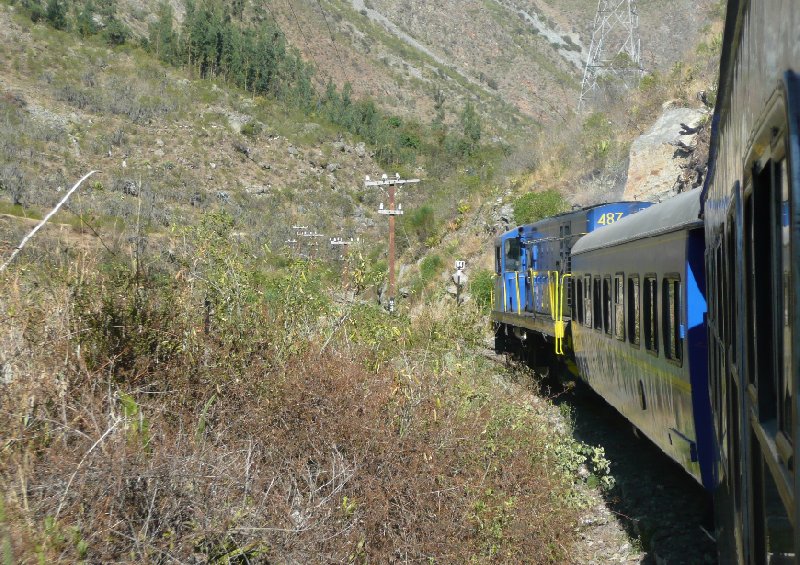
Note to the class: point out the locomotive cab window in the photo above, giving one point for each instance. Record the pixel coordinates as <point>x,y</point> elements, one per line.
<point>671,310</point>
<point>633,310</point>
<point>650,314</point>
<point>512,253</point>
<point>497,266</point>
<point>619,307</point>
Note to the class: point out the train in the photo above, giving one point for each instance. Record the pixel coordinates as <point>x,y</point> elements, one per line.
<point>682,314</point>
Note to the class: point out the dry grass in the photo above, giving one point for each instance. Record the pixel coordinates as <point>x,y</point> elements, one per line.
<point>140,438</point>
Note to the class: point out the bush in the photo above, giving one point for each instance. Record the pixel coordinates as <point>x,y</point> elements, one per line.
<point>430,267</point>
<point>116,33</point>
<point>480,287</point>
<point>423,222</point>
<point>252,128</point>
<point>56,14</point>
<point>535,206</point>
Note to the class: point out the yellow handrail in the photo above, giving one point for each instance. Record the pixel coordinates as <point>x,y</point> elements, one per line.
<point>553,290</point>
<point>559,322</point>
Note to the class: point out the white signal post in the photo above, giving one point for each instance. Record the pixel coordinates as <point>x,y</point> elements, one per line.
<point>391,211</point>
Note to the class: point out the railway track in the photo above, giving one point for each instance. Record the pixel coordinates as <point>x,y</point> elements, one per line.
<point>654,500</point>
<point>656,513</point>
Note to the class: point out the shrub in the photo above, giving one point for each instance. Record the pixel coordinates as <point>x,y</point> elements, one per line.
<point>56,14</point>
<point>116,32</point>
<point>534,206</point>
<point>423,222</point>
<point>252,128</point>
<point>480,287</point>
<point>430,267</point>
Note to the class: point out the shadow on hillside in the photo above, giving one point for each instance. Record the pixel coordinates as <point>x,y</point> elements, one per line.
<point>654,499</point>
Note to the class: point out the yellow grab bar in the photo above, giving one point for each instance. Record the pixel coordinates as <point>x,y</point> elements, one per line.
<point>553,290</point>
<point>559,322</point>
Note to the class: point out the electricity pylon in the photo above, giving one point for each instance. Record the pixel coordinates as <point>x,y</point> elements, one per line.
<point>615,52</point>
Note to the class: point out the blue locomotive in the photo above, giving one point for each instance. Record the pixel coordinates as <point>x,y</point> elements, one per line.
<point>683,316</point>
<point>532,290</point>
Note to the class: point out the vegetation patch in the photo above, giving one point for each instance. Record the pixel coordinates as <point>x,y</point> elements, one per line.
<point>534,206</point>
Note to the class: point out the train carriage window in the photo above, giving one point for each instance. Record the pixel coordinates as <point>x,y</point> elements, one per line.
<point>650,314</point>
<point>619,307</point>
<point>633,310</point>
<point>579,300</point>
<point>512,254</point>
<point>671,311</point>
<point>597,313</point>
<point>607,304</point>
<point>587,301</point>
<point>787,298</point>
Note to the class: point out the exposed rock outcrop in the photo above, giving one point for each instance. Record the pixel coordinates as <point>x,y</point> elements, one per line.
<point>663,160</point>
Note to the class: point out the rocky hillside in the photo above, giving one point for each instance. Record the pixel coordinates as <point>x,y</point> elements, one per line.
<point>520,60</point>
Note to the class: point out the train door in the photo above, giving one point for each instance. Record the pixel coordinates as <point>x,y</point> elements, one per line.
<point>770,344</point>
<point>514,261</point>
<point>498,279</point>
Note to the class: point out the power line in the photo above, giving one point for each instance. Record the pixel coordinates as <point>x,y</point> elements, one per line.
<point>333,41</point>
<point>305,38</point>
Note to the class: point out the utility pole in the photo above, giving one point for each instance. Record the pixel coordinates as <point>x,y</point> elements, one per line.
<point>391,212</point>
<point>310,237</point>
<point>615,51</point>
<point>345,245</point>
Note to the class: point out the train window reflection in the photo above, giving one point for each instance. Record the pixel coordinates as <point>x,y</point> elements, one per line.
<point>650,306</point>
<point>619,307</point>
<point>587,293</point>
<point>671,310</point>
<point>607,304</point>
<point>579,301</point>
<point>633,310</point>
<point>785,386</point>
<point>597,304</point>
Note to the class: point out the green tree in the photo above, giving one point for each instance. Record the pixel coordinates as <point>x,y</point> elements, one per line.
<point>116,32</point>
<point>107,8</point>
<point>471,125</point>
<point>56,14</point>
<point>84,21</point>
<point>163,39</point>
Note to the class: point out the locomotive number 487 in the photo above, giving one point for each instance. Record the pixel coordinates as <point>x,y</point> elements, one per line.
<point>609,218</point>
